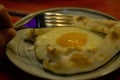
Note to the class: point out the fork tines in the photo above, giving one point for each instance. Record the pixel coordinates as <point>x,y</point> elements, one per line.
<point>57,19</point>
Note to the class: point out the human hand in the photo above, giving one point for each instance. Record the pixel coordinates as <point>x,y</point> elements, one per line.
<point>7,31</point>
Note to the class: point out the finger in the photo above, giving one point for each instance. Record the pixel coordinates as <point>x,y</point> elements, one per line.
<point>5,21</point>
<point>6,35</point>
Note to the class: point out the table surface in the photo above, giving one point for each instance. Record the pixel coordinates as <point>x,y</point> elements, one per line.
<point>9,71</point>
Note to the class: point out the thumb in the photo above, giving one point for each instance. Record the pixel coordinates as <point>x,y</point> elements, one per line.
<point>5,21</point>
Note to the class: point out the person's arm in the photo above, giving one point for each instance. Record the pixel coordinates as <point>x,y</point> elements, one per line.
<point>7,31</point>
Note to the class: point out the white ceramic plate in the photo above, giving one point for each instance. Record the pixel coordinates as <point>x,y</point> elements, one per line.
<point>17,50</point>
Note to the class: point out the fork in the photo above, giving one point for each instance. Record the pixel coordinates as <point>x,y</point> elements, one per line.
<point>48,19</point>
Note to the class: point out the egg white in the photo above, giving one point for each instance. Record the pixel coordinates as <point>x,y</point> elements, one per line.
<point>50,37</point>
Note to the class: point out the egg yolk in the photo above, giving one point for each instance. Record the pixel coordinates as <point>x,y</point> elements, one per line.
<point>72,39</point>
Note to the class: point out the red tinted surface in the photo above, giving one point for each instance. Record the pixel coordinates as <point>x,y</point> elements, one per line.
<point>10,72</point>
